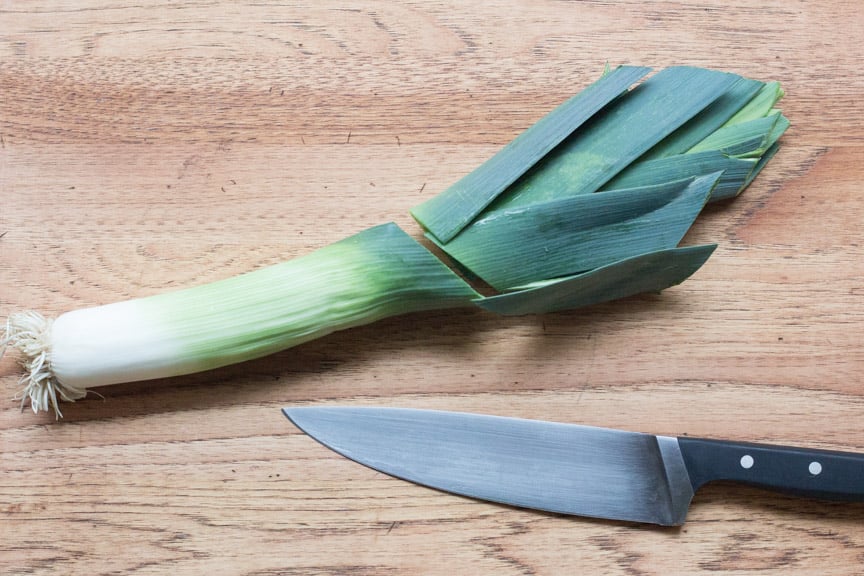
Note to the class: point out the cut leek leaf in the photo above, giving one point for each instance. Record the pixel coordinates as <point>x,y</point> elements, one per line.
<point>718,113</point>
<point>760,106</point>
<point>447,213</point>
<point>734,172</point>
<point>745,139</point>
<point>651,272</point>
<point>572,235</point>
<point>377,273</point>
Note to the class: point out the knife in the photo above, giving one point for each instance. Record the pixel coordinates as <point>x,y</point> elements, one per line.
<point>567,468</point>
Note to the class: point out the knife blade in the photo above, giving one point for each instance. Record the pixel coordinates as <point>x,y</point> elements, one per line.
<point>569,468</point>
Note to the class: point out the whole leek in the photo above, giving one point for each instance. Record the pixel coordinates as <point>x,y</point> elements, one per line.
<point>587,205</point>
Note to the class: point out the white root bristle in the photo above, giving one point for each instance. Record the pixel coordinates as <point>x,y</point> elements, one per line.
<point>29,333</point>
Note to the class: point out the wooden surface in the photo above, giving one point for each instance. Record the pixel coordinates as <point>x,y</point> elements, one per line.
<point>146,146</point>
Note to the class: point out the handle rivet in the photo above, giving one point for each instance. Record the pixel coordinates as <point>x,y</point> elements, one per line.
<point>815,468</point>
<point>747,461</point>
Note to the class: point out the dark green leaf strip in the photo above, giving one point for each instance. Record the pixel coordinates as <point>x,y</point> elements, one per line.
<point>651,272</point>
<point>448,213</point>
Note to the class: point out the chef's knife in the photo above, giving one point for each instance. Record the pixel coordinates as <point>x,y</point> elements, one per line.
<point>566,468</point>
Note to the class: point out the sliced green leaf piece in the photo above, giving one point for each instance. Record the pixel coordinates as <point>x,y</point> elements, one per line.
<point>651,272</point>
<point>760,106</point>
<point>734,172</point>
<point>447,213</point>
<point>703,124</point>
<point>511,247</point>
<point>619,135</point>
<point>750,138</point>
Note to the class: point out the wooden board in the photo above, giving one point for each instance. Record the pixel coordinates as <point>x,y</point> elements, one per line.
<point>148,146</point>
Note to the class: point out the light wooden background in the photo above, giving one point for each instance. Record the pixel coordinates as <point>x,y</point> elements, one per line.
<point>151,145</point>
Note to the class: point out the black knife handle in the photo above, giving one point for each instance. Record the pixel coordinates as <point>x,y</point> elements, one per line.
<point>821,474</point>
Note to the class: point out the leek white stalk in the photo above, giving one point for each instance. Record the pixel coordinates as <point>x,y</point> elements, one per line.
<point>377,273</point>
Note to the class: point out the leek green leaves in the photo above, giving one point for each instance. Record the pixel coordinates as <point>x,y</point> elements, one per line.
<point>600,214</point>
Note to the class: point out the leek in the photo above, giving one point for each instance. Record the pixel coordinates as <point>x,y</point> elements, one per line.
<point>586,206</point>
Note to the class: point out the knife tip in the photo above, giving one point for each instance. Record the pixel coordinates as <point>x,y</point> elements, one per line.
<point>300,415</point>
<point>291,413</point>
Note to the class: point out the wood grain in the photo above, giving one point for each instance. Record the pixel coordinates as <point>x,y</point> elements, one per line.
<point>145,146</point>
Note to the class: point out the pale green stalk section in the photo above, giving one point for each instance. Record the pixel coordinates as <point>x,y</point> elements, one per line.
<point>377,273</point>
